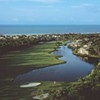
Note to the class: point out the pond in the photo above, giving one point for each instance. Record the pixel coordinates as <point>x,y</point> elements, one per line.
<point>72,70</point>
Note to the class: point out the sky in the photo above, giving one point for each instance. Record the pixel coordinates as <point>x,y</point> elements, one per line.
<point>50,12</point>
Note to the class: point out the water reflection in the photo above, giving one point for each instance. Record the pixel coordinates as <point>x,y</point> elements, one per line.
<point>90,60</point>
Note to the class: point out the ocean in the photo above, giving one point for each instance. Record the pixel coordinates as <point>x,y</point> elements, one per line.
<point>47,29</point>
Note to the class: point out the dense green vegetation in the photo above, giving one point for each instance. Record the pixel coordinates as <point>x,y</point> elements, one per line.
<point>9,43</point>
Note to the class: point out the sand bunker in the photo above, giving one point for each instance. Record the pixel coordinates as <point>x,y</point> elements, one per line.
<point>43,96</point>
<point>30,85</point>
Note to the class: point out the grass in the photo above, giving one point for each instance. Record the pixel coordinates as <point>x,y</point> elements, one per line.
<point>37,56</point>
<point>32,58</point>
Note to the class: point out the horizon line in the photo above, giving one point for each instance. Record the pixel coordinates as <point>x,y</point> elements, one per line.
<point>47,24</point>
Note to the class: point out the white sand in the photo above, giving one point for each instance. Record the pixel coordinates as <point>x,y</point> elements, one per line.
<point>30,85</point>
<point>43,96</point>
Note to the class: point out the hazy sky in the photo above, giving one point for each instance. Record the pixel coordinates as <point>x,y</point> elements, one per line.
<point>41,12</point>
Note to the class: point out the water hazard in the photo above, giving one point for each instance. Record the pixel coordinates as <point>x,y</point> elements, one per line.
<point>73,69</point>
